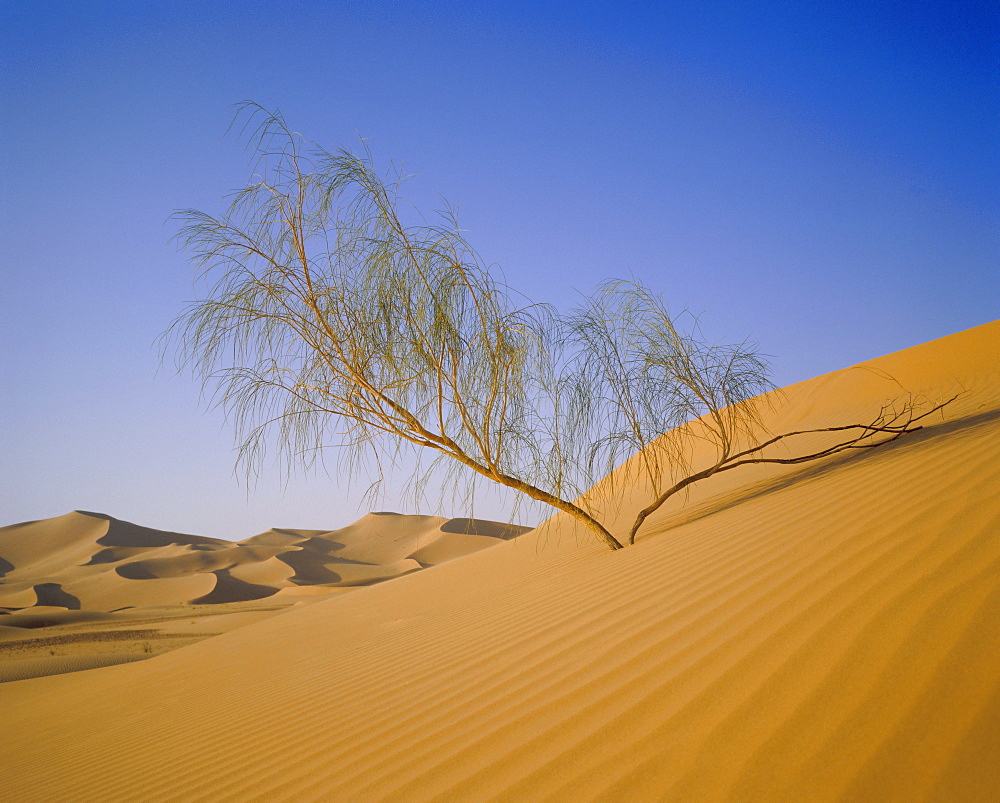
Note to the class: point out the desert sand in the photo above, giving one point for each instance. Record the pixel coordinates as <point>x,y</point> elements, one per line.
<point>829,631</point>
<point>86,589</point>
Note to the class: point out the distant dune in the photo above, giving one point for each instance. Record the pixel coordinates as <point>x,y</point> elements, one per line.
<point>829,631</point>
<point>84,561</point>
<point>80,581</point>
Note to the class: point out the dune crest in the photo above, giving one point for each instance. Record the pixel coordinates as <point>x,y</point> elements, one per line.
<point>79,559</point>
<point>61,575</point>
<point>818,632</point>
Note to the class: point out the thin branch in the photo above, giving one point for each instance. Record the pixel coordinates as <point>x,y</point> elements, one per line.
<point>742,459</point>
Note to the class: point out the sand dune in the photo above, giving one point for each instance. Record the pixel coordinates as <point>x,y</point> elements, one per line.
<point>822,632</point>
<point>86,577</point>
<point>90,561</point>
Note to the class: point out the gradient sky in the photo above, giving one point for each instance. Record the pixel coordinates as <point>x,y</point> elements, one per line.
<point>821,177</point>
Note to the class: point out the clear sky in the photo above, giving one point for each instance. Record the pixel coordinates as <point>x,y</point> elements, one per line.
<point>821,177</point>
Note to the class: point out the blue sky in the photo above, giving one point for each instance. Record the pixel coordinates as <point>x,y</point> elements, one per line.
<point>820,177</point>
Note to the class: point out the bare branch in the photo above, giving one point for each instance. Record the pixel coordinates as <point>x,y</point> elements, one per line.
<point>860,440</point>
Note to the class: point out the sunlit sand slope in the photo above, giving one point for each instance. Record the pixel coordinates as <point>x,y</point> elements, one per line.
<point>93,562</point>
<point>86,590</point>
<point>823,632</point>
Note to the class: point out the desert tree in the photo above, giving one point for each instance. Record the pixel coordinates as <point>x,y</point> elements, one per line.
<point>652,389</point>
<point>330,321</point>
<point>331,318</point>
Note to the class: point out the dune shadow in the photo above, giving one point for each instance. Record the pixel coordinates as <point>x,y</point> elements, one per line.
<point>487,528</point>
<point>317,543</point>
<point>106,555</point>
<point>823,467</point>
<point>126,534</point>
<point>308,567</point>
<point>5,566</point>
<point>135,571</point>
<point>51,595</point>
<point>230,589</point>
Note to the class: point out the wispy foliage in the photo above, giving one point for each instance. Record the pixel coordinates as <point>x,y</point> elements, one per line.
<point>330,322</point>
<point>643,380</point>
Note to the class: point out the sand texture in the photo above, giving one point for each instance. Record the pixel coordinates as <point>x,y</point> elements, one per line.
<point>86,590</point>
<point>828,631</point>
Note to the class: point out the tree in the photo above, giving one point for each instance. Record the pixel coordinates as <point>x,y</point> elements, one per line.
<point>654,390</point>
<point>329,321</point>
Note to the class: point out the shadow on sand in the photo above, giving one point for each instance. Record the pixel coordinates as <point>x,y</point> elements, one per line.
<point>821,468</point>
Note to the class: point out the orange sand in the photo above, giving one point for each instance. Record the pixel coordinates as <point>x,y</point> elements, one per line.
<point>86,590</point>
<point>821,632</point>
